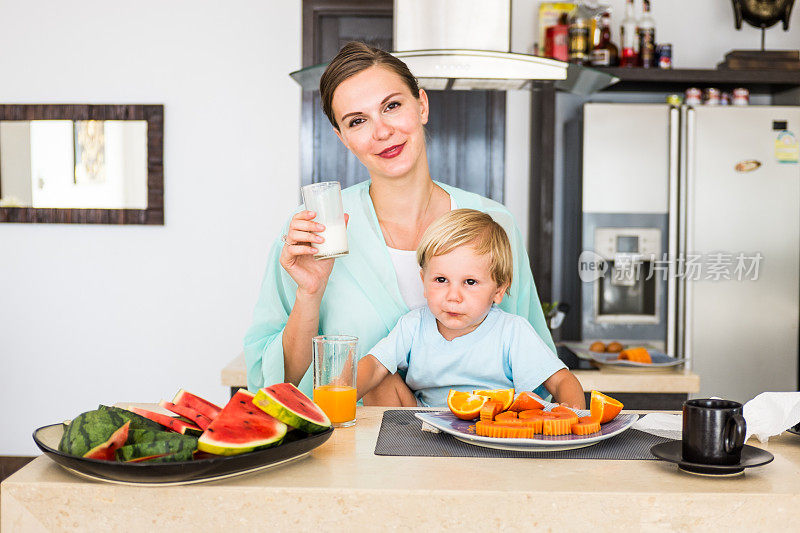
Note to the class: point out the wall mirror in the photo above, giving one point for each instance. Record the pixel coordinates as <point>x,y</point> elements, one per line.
<point>85,164</point>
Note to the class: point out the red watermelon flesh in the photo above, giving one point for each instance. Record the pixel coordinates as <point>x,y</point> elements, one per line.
<point>106,450</point>
<point>201,420</point>
<point>178,426</point>
<point>241,427</point>
<point>204,407</point>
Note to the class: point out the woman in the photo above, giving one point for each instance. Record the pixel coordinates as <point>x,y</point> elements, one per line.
<point>378,112</point>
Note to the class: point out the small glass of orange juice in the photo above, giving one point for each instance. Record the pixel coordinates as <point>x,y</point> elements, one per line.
<point>335,364</point>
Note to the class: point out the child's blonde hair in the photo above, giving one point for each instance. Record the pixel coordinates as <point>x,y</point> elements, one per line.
<point>461,227</point>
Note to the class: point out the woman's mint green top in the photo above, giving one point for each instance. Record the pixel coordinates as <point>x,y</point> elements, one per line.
<point>362,297</point>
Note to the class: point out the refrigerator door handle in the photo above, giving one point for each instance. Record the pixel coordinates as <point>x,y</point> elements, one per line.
<point>672,228</point>
<point>686,240</point>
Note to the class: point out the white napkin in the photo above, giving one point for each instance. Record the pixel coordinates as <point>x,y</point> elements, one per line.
<point>661,424</point>
<point>770,413</point>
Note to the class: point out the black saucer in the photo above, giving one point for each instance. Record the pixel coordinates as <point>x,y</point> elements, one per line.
<point>794,429</point>
<point>751,456</point>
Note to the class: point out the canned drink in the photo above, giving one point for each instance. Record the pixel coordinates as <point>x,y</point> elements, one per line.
<point>725,99</point>
<point>711,96</point>
<point>664,54</point>
<point>674,99</point>
<point>693,96</point>
<point>741,96</point>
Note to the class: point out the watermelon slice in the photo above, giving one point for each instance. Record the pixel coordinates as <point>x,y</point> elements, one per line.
<point>204,407</point>
<point>182,448</point>
<point>89,430</point>
<point>285,402</point>
<point>105,451</point>
<point>178,426</point>
<point>240,427</point>
<point>199,419</point>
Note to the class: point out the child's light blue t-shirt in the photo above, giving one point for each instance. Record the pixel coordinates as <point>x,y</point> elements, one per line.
<point>504,351</point>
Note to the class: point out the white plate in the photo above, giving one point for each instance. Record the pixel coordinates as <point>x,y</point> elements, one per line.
<point>460,429</point>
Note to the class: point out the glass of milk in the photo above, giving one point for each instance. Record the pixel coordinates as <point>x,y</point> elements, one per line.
<point>325,198</point>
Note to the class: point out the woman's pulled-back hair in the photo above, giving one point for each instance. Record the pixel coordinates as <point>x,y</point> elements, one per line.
<point>354,57</point>
<point>461,227</point>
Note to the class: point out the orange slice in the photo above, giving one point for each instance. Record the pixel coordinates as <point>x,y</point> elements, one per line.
<point>464,405</point>
<point>526,401</point>
<point>603,408</point>
<point>504,396</point>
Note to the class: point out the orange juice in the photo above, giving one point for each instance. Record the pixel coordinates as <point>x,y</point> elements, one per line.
<point>338,402</point>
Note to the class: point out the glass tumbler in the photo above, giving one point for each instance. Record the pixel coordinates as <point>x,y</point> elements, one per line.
<point>325,198</point>
<point>335,367</point>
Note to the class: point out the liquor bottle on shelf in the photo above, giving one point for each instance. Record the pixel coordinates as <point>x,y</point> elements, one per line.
<point>579,37</point>
<point>647,37</point>
<point>605,53</point>
<point>628,38</point>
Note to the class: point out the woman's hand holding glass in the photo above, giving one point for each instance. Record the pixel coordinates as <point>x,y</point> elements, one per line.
<point>297,255</point>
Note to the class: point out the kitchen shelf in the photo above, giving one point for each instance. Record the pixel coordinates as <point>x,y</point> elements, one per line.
<point>641,79</point>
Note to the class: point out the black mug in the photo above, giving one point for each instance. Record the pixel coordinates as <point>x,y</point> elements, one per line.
<point>713,432</point>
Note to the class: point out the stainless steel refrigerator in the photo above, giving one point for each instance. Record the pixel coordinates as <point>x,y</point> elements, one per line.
<point>722,184</point>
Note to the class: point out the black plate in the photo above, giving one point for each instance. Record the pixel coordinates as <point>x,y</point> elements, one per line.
<point>751,456</point>
<point>794,429</point>
<point>295,444</point>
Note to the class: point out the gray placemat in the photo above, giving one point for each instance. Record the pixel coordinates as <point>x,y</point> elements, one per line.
<point>401,434</point>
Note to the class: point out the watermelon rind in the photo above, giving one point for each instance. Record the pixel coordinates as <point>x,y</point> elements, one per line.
<point>181,448</point>
<point>88,430</point>
<point>285,402</point>
<point>137,421</point>
<point>105,451</point>
<point>240,428</point>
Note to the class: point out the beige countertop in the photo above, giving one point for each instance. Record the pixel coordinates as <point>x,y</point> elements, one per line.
<point>679,381</point>
<point>342,485</point>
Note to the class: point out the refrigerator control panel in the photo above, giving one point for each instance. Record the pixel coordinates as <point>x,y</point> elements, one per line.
<point>637,242</point>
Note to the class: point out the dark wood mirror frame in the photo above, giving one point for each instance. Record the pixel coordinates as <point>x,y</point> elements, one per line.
<point>153,114</point>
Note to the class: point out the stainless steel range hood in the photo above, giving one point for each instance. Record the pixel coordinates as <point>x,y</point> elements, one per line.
<point>464,45</point>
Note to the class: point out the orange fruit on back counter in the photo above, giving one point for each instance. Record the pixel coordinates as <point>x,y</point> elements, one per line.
<point>603,408</point>
<point>464,405</point>
<point>637,355</point>
<point>504,396</point>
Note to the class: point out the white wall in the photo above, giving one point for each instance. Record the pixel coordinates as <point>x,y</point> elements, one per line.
<point>92,314</point>
<point>701,33</point>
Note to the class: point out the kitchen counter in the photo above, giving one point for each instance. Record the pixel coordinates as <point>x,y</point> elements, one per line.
<point>343,485</point>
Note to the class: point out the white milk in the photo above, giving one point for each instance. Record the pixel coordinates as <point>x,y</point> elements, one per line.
<point>335,244</point>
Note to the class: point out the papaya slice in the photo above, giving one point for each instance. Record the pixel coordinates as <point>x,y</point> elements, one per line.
<point>499,430</point>
<point>585,426</point>
<point>505,415</point>
<point>490,410</point>
<point>636,355</point>
<point>525,401</point>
